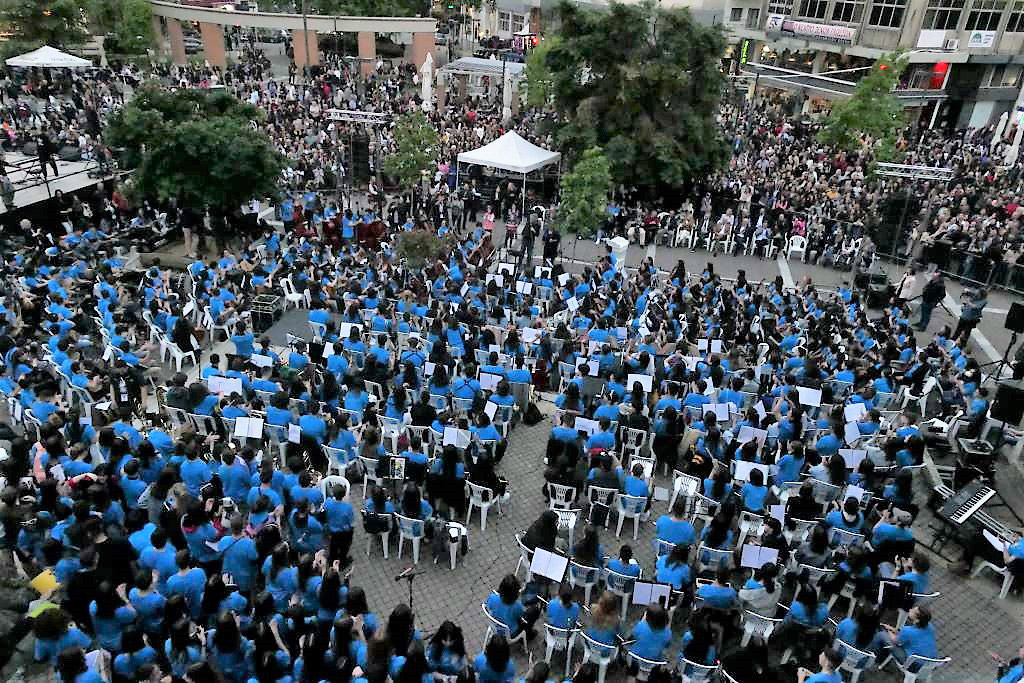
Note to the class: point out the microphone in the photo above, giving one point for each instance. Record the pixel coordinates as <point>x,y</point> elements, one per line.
<point>406,573</point>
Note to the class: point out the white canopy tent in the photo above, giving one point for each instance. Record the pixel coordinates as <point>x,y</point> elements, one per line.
<point>512,153</point>
<point>48,58</point>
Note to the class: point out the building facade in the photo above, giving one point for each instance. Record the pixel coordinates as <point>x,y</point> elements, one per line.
<point>966,60</point>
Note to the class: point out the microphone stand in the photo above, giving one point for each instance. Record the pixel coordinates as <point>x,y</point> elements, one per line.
<point>409,579</point>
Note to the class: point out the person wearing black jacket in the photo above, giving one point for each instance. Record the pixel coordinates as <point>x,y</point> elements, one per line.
<point>44,150</point>
<point>933,293</point>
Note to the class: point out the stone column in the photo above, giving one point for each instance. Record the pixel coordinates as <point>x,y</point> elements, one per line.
<point>367,42</point>
<point>300,39</point>
<point>177,41</point>
<point>422,45</point>
<point>819,62</point>
<point>213,44</point>
<point>441,91</point>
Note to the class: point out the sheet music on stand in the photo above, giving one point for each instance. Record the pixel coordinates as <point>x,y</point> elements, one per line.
<point>396,468</point>
<point>645,593</point>
<point>249,427</point>
<point>756,556</point>
<point>548,564</point>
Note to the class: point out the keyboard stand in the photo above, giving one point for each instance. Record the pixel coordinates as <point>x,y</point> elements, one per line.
<point>942,534</point>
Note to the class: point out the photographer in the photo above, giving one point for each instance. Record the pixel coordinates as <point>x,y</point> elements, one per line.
<point>977,299</point>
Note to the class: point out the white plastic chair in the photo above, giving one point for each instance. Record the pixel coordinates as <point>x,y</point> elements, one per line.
<point>683,484</point>
<point>525,556</point>
<point>369,473</point>
<point>692,672</point>
<point>494,626</point>
<point>621,585</point>
<point>291,297</point>
<point>167,347</point>
<point>855,661</point>
<point>631,507</point>
<point>413,530</point>
<point>582,576</point>
<point>917,667</point>
<point>756,625</point>
<point>561,497</point>
<point>483,498</point>
<point>796,244</point>
<point>644,666</point>
<point>920,600</point>
<point>710,559</point>
<point>383,535</point>
<point>600,654</point>
<point>318,330</point>
<point>1002,571</point>
<point>329,483</point>
<point>560,640</point>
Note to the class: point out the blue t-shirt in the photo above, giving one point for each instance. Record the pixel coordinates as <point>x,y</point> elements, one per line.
<point>677,531</point>
<point>650,643</point>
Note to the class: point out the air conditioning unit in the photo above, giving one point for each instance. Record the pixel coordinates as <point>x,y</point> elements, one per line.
<point>951,44</point>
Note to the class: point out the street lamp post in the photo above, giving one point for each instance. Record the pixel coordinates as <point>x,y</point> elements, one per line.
<point>305,41</point>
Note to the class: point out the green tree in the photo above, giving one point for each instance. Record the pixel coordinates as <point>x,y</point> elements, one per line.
<point>135,29</point>
<point>421,247</point>
<point>539,79</point>
<point>416,148</point>
<point>199,147</point>
<point>217,162</point>
<point>644,84</point>
<point>584,193</point>
<point>872,116</point>
<point>58,23</point>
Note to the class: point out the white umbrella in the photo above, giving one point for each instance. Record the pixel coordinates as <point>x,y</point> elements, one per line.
<point>48,57</point>
<point>998,135</point>
<point>1014,150</point>
<point>427,82</point>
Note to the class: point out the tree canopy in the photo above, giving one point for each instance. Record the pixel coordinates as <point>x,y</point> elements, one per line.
<point>644,84</point>
<point>584,193</point>
<point>59,23</point>
<point>873,115</point>
<point>539,80</point>
<point>416,148</point>
<point>197,146</point>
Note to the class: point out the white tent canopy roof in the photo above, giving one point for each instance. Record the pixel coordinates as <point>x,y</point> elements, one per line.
<point>48,57</point>
<point>510,152</point>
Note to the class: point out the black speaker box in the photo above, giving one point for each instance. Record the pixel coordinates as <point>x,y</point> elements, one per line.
<point>1009,404</point>
<point>1015,317</point>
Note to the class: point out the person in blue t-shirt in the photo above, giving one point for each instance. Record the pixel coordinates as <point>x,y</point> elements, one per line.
<point>110,612</point>
<point>917,637</point>
<point>675,527</point>
<point>340,522</point>
<point>243,341</point>
<point>652,634</point>
<point>494,664</point>
<point>565,611</point>
<point>829,661</point>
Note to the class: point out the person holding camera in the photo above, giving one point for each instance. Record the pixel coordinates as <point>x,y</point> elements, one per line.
<point>971,314</point>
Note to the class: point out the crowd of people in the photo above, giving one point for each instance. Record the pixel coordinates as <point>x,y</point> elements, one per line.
<point>779,422</point>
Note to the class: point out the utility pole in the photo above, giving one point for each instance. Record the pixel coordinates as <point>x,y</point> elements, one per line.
<point>305,41</point>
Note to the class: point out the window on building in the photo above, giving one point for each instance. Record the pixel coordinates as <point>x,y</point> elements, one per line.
<point>783,7</point>
<point>943,15</point>
<point>888,13</point>
<point>1015,24</point>
<point>984,15</point>
<point>736,14</point>
<point>504,21</point>
<point>754,17</point>
<point>1011,76</point>
<point>518,22</point>
<point>813,9</point>
<point>848,10</point>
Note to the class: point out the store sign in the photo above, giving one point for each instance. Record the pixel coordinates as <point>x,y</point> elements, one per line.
<point>843,35</point>
<point>982,39</point>
<point>744,51</point>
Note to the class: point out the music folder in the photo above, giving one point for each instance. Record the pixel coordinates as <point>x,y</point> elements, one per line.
<point>548,564</point>
<point>645,593</point>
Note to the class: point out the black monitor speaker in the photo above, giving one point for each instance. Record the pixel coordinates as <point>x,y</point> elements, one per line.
<point>1009,404</point>
<point>1015,317</point>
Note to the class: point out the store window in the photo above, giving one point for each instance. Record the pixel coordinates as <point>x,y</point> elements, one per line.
<point>813,9</point>
<point>736,14</point>
<point>1015,24</point>
<point>943,15</point>
<point>888,13</point>
<point>504,21</point>
<point>985,14</point>
<point>850,11</point>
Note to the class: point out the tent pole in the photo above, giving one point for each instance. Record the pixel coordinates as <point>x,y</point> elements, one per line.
<point>524,196</point>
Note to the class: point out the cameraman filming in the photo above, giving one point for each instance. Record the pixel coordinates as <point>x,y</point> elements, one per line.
<point>977,299</point>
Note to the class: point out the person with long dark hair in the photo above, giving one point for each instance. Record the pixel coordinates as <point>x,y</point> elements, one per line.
<point>230,652</point>
<point>447,652</point>
<point>494,664</point>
